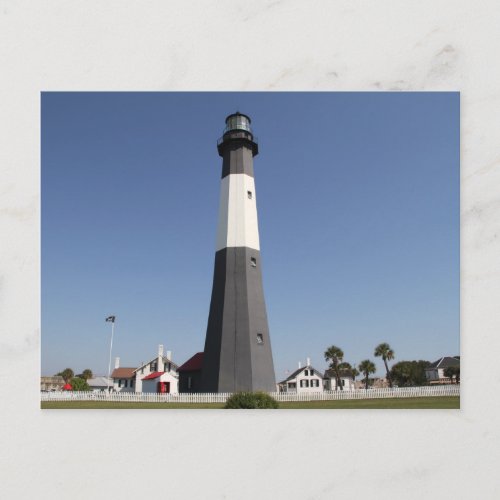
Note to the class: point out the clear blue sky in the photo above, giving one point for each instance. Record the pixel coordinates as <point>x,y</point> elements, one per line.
<point>358,202</point>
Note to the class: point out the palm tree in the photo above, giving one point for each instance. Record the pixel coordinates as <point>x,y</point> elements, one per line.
<point>86,374</point>
<point>384,350</point>
<point>67,374</point>
<point>335,355</point>
<point>366,366</point>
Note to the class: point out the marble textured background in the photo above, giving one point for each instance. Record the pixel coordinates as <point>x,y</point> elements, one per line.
<point>259,45</point>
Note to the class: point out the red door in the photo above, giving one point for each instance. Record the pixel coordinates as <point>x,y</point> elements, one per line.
<point>163,387</point>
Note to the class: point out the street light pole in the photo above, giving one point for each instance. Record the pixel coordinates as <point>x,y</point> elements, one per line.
<point>112,319</point>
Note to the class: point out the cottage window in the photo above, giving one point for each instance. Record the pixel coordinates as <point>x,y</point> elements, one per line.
<point>119,382</point>
<point>190,382</point>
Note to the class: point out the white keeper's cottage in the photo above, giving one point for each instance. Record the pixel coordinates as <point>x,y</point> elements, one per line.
<point>304,379</point>
<point>158,375</point>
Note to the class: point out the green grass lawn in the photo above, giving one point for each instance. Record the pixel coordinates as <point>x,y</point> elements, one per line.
<point>429,403</point>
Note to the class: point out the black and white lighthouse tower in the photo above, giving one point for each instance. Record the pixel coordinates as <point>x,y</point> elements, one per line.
<point>237,354</point>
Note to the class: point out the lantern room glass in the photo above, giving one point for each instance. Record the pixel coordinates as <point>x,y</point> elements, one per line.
<point>237,122</point>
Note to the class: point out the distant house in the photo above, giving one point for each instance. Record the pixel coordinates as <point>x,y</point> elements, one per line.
<point>54,383</point>
<point>160,374</point>
<point>100,383</point>
<point>304,379</point>
<point>435,371</point>
<point>330,381</point>
<point>190,374</point>
<point>123,378</point>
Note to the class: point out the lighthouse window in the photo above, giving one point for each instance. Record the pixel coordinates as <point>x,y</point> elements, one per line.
<point>249,193</point>
<point>260,338</point>
<point>253,261</point>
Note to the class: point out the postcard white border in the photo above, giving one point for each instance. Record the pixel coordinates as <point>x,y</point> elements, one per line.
<point>209,45</point>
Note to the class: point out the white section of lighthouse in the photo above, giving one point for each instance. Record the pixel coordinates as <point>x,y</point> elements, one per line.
<point>238,225</point>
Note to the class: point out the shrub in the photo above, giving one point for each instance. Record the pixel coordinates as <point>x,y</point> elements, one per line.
<point>251,400</point>
<point>79,384</point>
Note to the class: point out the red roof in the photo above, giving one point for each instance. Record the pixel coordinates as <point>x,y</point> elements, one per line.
<point>192,364</point>
<point>153,375</point>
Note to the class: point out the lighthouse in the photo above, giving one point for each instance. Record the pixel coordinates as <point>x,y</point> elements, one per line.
<point>237,355</point>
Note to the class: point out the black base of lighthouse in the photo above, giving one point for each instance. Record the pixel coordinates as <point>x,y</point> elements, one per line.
<point>238,353</point>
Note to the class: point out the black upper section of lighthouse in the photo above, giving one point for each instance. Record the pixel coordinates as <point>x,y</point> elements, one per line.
<point>237,146</point>
<point>237,133</point>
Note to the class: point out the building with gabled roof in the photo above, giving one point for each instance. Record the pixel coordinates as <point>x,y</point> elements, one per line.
<point>304,379</point>
<point>100,383</point>
<point>166,379</point>
<point>160,382</point>
<point>123,378</point>
<point>435,371</point>
<point>131,379</point>
<point>346,379</point>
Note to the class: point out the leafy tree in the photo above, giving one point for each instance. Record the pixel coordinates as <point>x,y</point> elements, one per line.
<point>366,366</point>
<point>409,373</point>
<point>86,374</point>
<point>453,372</point>
<point>384,350</point>
<point>79,384</point>
<point>66,374</point>
<point>335,355</point>
<point>251,400</point>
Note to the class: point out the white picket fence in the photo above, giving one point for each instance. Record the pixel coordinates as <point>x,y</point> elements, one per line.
<point>138,397</point>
